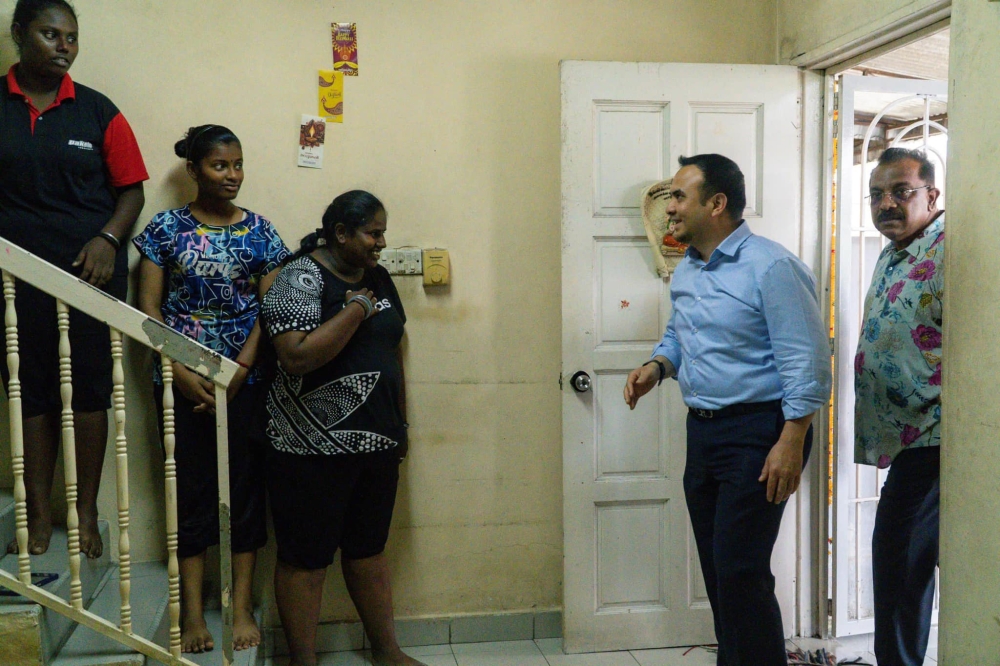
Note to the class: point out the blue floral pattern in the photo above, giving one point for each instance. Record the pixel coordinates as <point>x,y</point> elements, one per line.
<point>897,368</point>
<point>212,275</point>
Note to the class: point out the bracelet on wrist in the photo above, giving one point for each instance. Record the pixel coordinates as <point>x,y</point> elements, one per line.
<point>364,302</point>
<point>243,365</point>
<point>111,238</point>
<point>663,370</point>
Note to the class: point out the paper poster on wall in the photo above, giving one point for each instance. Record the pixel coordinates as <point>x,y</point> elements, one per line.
<point>345,47</point>
<point>331,95</point>
<point>312,136</point>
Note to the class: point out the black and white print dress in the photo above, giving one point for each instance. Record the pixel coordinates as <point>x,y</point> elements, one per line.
<point>351,404</point>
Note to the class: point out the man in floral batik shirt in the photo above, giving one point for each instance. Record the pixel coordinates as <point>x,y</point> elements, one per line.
<point>897,413</point>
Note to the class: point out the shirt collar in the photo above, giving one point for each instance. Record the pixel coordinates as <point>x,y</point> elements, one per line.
<point>734,240</point>
<point>66,88</point>
<point>727,247</point>
<point>919,246</point>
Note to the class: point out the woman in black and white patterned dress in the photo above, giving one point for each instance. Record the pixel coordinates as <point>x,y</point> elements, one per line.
<point>336,423</point>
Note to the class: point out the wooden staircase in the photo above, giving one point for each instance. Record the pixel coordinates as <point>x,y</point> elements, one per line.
<point>31,635</point>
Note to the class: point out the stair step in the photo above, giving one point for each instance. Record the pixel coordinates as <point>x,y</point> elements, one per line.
<point>150,619</point>
<point>56,628</point>
<point>149,597</point>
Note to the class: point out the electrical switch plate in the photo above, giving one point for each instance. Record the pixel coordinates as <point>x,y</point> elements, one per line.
<point>437,271</point>
<point>408,261</point>
<point>387,258</point>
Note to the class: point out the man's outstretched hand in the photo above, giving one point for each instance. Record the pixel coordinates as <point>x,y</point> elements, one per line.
<point>642,380</point>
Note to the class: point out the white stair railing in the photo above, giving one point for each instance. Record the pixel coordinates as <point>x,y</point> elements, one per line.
<point>123,320</point>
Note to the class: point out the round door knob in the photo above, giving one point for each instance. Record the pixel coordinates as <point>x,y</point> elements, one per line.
<point>580,382</point>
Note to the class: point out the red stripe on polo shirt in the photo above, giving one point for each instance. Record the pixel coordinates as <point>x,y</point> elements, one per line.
<point>121,154</point>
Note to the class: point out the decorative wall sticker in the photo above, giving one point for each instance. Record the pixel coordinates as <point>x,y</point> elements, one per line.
<point>312,136</point>
<point>345,47</point>
<point>331,95</point>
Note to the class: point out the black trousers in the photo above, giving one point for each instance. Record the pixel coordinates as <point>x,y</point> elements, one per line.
<point>198,480</point>
<point>735,528</point>
<point>38,345</point>
<point>905,555</point>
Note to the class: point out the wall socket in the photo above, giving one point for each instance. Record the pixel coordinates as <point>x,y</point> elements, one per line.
<point>402,260</point>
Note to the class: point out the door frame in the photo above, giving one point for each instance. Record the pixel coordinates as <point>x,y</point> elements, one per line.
<point>815,594</point>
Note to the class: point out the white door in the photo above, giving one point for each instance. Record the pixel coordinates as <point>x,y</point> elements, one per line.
<point>875,112</point>
<point>631,574</point>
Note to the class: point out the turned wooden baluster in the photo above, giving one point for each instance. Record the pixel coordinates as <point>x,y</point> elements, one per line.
<point>69,455</point>
<point>121,460</point>
<point>170,474</point>
<point>16,432</point>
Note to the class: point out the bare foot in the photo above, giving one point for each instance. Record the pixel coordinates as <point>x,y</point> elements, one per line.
<point>246,634</point>
<point>396,658</point>
<point>90,536</point>
<point>195,636</point>
<point>39,535</point>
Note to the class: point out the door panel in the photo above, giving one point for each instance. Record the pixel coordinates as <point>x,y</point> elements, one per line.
<point>631,575</point>
<point>618,182</point>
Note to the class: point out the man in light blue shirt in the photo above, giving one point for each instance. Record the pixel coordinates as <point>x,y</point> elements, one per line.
<point>746,342</point>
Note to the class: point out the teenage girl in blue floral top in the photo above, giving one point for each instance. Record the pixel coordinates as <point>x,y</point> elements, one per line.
<point>204,268</point>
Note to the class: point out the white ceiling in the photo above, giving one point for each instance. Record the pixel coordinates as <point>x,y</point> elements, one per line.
<point>924,59</point>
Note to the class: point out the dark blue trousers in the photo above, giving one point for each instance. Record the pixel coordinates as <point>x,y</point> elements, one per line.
<point>904,556</point>
<point>735,528</point>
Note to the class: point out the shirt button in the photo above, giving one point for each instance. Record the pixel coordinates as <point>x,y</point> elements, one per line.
<point>694,330</point>
<point>694,393</point>
<point>694,362</point>
<point>698,299</point>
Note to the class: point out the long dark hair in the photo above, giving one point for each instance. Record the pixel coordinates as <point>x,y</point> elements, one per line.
<point>200,140</point>
<point>353,209</point>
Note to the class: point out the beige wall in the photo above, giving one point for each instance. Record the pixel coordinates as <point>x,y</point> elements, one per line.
<point>970,474</point>
<point>810,26</point>
<point>454,123</point>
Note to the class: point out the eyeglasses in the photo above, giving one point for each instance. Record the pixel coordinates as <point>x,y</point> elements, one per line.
<point>900,195</point>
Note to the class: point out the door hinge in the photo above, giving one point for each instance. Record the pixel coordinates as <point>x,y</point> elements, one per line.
<point>829,607</point>
<point>836,114</point>
<point>560,381</point>
<point>833,350</point>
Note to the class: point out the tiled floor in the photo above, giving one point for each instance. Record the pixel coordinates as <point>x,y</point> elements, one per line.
<point>548,652</point>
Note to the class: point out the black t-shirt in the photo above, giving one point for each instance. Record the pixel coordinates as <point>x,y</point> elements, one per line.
<point>351,404</point>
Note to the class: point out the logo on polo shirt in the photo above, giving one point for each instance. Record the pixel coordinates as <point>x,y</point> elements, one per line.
<point>82,145</point>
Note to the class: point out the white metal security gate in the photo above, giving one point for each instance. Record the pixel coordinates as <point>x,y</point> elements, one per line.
<point>856,488</point>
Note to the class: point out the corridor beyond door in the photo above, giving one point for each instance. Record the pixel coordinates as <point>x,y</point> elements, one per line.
<point>874,112</point>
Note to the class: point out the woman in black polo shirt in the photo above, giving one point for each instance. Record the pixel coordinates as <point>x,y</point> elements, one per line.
<point>70,191</point>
